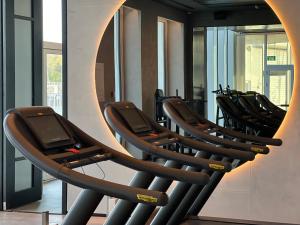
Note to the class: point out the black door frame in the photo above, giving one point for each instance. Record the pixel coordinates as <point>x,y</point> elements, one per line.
<point>65,86</point>
<point>6,48</point>
<point>1,109</point>
<point>12,198</point>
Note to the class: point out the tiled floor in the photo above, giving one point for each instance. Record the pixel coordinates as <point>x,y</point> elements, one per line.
<point>51,200</point>
<point>17,218</point>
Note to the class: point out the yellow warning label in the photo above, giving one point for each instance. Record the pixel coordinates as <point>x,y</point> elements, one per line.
<point>217,166</point>
<point>257,149</point>
<point>146,198</point>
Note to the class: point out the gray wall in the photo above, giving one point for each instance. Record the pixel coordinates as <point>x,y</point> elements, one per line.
<point>265,190</point>
<point>87,21</point>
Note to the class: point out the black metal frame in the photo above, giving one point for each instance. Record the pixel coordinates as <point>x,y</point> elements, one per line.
<point>65,86</point>
<point>1,107</point>
<point>12,198</point>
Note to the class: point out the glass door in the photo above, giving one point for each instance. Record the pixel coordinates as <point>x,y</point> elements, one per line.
<point>279,84</point>
<point>22,88</point>
<point>53,77</point>
<point>279,71</point>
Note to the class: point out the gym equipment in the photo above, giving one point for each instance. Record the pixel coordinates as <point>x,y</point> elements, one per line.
<point>271,107</point>
<point>202,129</point>
<point>245,112</point>
<point>252,107</point>
<point>159,97</point>
<point>138,129</point>
<point>57,146</point>
<point>160,117</point>
<point>186,199</point>
<point>236,118</point>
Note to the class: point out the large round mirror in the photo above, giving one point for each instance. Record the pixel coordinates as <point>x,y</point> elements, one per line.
<point>142,51</point>
<point>204,52</point>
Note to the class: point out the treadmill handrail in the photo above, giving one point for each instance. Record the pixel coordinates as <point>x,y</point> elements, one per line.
<point>168,109</point>
<point>61,172</point>
<point>248,107</point>
<point>201,146</point>
<point>153,168</point>
<point>246,137</point>
<point>113,155</point>
<point>249,121</point>
<point>149,148</point>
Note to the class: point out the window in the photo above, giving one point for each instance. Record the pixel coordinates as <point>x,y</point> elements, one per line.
<point>52,55</point>
<point>170,57</point>
<point>52,87</point>
<point>127,50</point>
<point>253,58</point>
<point>53,84</point>
<point>161,55</point>
<point>117,55</point>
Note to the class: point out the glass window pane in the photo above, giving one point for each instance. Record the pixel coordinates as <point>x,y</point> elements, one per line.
<point>199,80</point>
<point>280,87</point>
<point>278,50</point>
<point>253,64</point>
<point>52,21</point>
<point>23,63</point>
<point>161,56</point>
<point>117,57</point>
<point>23,93</point>
<point>54,82</point>
<point>18,154</point>
<point>23,175</point>
<point>23,8</point>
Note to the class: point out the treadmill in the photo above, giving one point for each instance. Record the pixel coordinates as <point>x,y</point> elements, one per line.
<point>56,146</point>
<point>237,118</point>
<point>186,200</point>
<point>196,126</point>
<point>252,107</point>
<point>270,106</point>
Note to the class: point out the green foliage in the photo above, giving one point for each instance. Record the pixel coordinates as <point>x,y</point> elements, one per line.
<point>54,68</point>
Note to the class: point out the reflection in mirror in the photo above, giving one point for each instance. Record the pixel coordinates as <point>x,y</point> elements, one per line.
<point>249,59</point>
<point>198,51</point>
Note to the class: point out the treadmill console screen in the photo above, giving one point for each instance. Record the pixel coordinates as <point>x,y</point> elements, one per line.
<point>135,120</point>
<point>48,130</point>
<point>185,113</point>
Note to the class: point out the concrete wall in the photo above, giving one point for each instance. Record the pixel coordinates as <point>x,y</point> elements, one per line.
<point>87,21</point>
<point>267,189</point>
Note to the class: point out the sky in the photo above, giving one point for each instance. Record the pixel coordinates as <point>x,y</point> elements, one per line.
<point>52,21</point>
